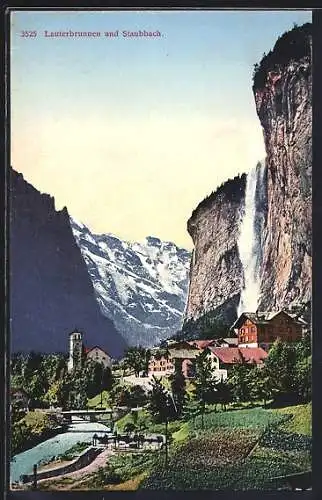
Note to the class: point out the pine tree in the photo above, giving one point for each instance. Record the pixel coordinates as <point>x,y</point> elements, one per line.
<point>162,407</point>
<point>205,384</point>
<point>178,387</point>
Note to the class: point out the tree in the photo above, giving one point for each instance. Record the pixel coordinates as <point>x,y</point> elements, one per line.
<point>162,407</point>
<point>137,358</point>
<point>304,379</point>
<point>37,387</point>
<point>51,395</point>
<point>239,380</point>
<point>261,387</point>
<point>33,364</point>
<point>93,372</point>
<point>205,383</point>
<point>303,347</point>
<point>136,396</point>
<point>178,387</point>
<point>129,427</point>
<point>281,368</point>
<point>223,394</point>
<point>288,367</point>
<point>78,394</point>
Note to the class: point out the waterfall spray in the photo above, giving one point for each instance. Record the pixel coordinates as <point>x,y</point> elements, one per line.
<point>249,246</point>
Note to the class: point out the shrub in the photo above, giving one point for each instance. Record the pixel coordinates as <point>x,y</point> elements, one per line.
<point>287,441</point>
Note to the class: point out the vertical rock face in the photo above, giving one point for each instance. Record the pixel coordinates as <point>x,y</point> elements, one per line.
<point>50,290</point>
<point>282,223</point>
<point>283,96</point>
<point>216,276</point>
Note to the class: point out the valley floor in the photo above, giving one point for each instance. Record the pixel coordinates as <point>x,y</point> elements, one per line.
<point>237,449</point>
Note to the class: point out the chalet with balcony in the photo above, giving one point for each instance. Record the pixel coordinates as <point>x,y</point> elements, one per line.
<point>261,329</point>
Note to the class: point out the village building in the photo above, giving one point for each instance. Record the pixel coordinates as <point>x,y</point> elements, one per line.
<point>202,344</point>
<point>261,329</point>
<point>164,364</point>
<point>78,353</point>
<point>224,358</point>
<point>99,355</point>
<point>220,342</point>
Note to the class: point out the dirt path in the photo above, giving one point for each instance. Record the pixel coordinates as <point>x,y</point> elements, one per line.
<point>99,461</point>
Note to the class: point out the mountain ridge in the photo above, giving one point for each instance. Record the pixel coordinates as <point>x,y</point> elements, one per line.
<point>50,291</point>
<point>141,286</point>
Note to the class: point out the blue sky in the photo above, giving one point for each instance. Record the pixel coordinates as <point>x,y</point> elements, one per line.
<point>135,125</point>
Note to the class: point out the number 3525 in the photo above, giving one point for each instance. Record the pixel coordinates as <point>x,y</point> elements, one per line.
<point>28,34</point>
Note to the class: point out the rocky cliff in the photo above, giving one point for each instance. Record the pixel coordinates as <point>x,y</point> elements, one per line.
<point>283,96</point>
<point>50,289</point>
<point>282,225</point>
<point>216,274</point>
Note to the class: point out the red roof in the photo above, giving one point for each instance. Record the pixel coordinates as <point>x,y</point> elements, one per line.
<point>201,344</point>
<point>231,355</point>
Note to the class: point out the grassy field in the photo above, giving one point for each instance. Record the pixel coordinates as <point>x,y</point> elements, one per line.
<point>237,450</point>
<point>145,423</point>
<point>301,419</point>
<point>96,401</point>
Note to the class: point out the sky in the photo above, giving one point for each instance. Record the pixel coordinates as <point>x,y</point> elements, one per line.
<point>132,133</point>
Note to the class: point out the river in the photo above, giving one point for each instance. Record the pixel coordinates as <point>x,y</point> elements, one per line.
<point>78,431</point>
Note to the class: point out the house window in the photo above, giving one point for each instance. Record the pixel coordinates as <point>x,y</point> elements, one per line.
<point>246,339</point>
<point>243,330</point>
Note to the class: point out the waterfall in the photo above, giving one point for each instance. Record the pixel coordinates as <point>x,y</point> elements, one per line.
<point>250,238</point>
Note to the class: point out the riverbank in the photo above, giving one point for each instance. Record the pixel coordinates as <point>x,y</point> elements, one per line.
<point>78,432</point>
<point>34,428</point>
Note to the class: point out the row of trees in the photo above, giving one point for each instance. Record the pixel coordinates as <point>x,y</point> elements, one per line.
<point>46,380</point>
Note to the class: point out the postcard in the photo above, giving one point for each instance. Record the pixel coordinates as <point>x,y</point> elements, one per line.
<point>160,191</point>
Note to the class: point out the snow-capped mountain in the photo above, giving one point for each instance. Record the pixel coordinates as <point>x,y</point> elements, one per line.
<point>142,287</point>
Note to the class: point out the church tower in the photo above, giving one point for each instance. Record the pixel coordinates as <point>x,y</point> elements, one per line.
<point>75,350</point>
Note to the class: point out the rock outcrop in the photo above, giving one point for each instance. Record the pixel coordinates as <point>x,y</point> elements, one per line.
<point>283,97</point>
<point>216,276</point>
<point>51,292</point>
